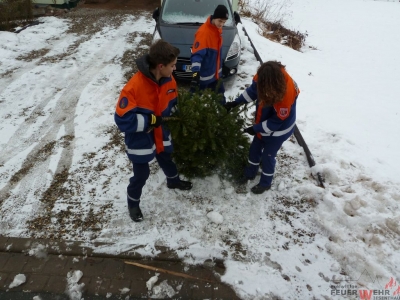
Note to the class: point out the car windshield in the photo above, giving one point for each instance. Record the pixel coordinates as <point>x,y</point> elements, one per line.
<point>192,11</point>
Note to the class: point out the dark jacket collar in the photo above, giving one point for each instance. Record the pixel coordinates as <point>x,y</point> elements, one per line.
<point>144,68</point>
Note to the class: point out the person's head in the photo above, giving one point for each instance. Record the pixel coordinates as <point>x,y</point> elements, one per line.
<point>271,83</point>
<point>220,16</point>
<point>162,58</point>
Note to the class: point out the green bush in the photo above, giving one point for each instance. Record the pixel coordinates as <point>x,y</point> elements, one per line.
<point>208,140</point>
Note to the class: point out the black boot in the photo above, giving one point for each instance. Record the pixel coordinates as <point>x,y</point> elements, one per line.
<point>243,180</point>
<point>241,185</point>
<point>136,214</point>
<point>182,185</point>
<point>258,189</point>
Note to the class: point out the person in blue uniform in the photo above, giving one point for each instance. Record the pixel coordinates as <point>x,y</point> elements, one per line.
<point>149,95</point>
<point>276,95</point>
<point>206,53</point>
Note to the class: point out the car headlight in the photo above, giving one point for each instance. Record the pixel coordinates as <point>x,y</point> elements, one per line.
<point>234,48</point>
<point>156,36</point>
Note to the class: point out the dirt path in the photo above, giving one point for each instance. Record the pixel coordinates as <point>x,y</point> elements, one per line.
<point>149,5</point>
<point>45,124</point>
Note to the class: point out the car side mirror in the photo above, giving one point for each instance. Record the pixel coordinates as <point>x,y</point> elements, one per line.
<point>156,14</point>
<point>237,17</point>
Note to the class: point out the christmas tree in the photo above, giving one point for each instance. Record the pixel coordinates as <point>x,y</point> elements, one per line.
<point>208,140</point>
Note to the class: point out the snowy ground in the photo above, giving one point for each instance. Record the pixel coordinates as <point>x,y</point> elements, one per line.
<point>63,172</point>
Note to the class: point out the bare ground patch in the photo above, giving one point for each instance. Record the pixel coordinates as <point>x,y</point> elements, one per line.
<point>30,162</point>
<point>63,214</point>
<point>8,73</point>
<point>288,209</point>
<point>85,23</point>
<point>91,21</point>
<point>137,5</point>
<point>35,54</point>
<point>129,57</point>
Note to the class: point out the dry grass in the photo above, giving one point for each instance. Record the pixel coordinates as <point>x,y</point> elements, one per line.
<point>278,33</point>
<point>271,15</point>
<point>13,12</point>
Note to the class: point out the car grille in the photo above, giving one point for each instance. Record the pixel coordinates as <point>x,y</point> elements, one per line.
<point>179,72</point>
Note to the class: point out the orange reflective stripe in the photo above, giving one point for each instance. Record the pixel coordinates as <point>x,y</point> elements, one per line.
<point>157,132</point>
<point>258,116</point>
<point>158,138</point>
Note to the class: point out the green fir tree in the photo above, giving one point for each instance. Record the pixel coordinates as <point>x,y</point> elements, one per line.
<point>208,140</point>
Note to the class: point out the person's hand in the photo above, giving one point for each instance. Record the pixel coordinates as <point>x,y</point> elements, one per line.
<point>229,105</point>
<point>194,84</point>
<point>155,121</point>
<point>249,130</point>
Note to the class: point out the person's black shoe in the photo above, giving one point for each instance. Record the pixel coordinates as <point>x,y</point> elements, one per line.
<point>243,180</point>
<point>241,185</point>
<point>181,185</point>
<point>136,214</point>
<point>258,189</point>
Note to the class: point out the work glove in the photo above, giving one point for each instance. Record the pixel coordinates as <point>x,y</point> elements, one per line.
<point>249,130</point>
<point>229,105</point>
<point>194,84</point>
<point>155,121</point>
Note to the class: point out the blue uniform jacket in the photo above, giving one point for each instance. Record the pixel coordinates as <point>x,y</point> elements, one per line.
<point>141,97</point>
<point>276,120</point>
<point>206,52</point>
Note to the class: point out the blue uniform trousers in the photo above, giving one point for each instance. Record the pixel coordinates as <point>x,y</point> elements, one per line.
<point>264,150</point>
<point>141,173</point>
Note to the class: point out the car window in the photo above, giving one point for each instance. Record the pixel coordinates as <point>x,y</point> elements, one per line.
<point>191,11</point>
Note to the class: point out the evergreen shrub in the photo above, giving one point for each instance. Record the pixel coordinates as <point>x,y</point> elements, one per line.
<point>208,140</point>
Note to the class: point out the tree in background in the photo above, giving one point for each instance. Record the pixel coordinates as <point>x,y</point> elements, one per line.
<point>208,140</point>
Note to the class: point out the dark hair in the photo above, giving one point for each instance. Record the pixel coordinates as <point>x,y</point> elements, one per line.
<point>161,52</point>
<point>271,83</point>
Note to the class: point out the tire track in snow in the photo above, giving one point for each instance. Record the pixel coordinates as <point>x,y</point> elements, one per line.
<point>61,120</point>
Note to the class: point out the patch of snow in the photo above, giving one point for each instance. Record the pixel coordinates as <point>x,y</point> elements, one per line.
<point>163,291</point>
<point>18,280</point>
<point>150,283</point>
<point>124,291</point>
<point>38,250</point>
<point>74,290</point>
<point>215,217</point>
